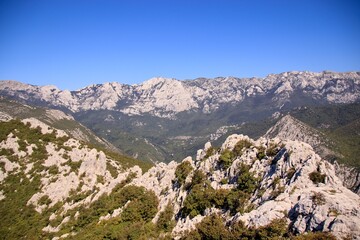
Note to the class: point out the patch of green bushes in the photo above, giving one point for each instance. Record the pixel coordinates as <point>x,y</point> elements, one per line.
<point>165,222</point>
<point>212,227</point>
<point>246,181</point>
<point>182,171</point>
<point>316,177</point>
<point>240,145</point>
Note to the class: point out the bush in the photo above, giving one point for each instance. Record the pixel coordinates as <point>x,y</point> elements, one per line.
<point>182,171</point>
<point>290,173</point>
<point>318,198</point>
<point>212,228</point>
<point>165,222</point>
<point>317,177</point>
<point>315,236</point>
<point>261,153</point>
<point>210,151</point>
<point>272,150</point>
<point>240,145</point>
<point>113,170</point>
<point>274,230</point>
<point>236,201</point>
<point>226,158</point>
<point>197,200</point>
<point>246,181</point>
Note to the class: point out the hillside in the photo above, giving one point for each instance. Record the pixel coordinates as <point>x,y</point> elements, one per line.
<point>55,186</point>
<point>54,118</point>
<point>166,119</point>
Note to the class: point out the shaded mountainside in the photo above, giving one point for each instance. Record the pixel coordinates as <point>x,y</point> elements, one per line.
<point>55,186</point>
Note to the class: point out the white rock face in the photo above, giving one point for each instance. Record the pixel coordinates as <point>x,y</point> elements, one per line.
<point>307,206</point>
<point>165,97</point>
<point>285,189</point>
<point>290,128</point>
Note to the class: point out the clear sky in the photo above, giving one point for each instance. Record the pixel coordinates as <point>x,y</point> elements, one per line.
<point>74,43</point>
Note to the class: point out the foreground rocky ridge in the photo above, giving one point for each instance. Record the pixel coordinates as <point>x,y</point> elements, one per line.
<point>77,192</point>
<point>164,97</point>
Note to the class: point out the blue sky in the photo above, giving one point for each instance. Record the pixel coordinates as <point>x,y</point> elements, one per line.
<point>74,43</point>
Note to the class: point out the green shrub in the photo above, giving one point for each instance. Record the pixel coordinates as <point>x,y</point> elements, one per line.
<point>290,173</point>
<point>236,201</point>
<point>212,228</point>
<point>44,200</point>
<point>210,151</point>
<point>275,230</point>
<point>165,222</point>
<point>182,171</point>
<point>113,170</point>
<point>53,170</point>
<point>317,177</point>
<point>198,178</point>
<point>260,153</point>
<point>100,179</point>
<point>141,208</point>
<point>197,200</point>
<point>75,166</point>
<point>318,198</point>
<point>226,158</point>
<point>240,145</point>
<point>315,236</point>
<point>246,181</point>
<point>272,150</point>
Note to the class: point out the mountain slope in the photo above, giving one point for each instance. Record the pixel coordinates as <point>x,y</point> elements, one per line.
<point>165,119</point>
<point>54,118</point>
<point>290,128</point>
<point>54,186</point>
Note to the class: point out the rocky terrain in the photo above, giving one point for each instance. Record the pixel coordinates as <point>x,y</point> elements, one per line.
<point>55,186</point>
<point>291,128</point>
<point>165,97</point>
<point>164,119</point>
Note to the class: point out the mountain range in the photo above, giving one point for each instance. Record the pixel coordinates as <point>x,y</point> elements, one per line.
<point>63,172</point>
<point>165,119</point>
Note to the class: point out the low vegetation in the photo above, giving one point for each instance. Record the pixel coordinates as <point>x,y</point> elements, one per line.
<point>182,171</point>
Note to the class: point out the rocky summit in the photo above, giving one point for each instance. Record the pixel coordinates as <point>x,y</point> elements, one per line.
<point>56,187</point>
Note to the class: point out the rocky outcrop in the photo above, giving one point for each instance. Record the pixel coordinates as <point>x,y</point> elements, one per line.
<point>245,180</point>
<point>291,128</point>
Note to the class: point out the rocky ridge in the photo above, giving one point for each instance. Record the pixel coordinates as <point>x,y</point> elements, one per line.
<point>52,117</point>
<point>164,97</point>
<point>291,128</point>
<point>247,181</point>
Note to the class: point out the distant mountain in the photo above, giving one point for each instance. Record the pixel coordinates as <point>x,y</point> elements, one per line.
<point>165,97</point>
<point>53,186</point>
<point>165,119</point>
